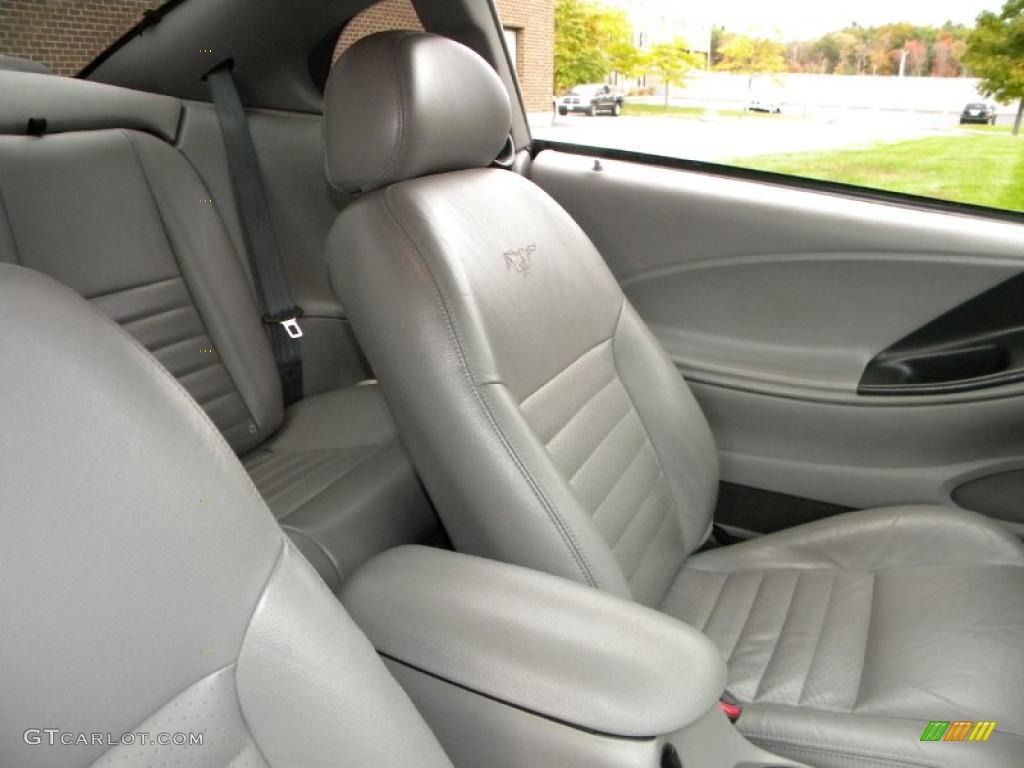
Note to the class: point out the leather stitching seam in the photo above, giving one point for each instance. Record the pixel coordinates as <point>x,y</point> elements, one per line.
<point>867,642</point>
<point>181,274</point>
<point>566,535</point>
<point>564,370</point>
<point>10,230</point>
<point>403,134</point>
<point>817,640</point>
<point>600,443</point>
<point>615,361</point>
<point>622,476</point>
<point>778,637</point>
<point>746,620</point>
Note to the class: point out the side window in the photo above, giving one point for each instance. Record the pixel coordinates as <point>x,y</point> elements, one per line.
<point>380,17</point>
<point>904,96</point>
<point>65,36</point>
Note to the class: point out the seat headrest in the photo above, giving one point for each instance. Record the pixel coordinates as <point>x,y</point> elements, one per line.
<point>404,104</point>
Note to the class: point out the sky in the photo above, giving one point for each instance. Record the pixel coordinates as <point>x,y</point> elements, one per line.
<point>794,19</point>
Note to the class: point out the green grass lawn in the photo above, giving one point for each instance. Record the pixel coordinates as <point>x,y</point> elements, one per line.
<point>646,110</point>
<point>984,169</point>
<point>987,128</point>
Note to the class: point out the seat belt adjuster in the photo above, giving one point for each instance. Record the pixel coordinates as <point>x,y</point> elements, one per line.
<point>287,319</point>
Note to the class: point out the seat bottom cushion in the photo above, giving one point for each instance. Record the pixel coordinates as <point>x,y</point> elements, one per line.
<point>339,483</point>
<point>846,637</point>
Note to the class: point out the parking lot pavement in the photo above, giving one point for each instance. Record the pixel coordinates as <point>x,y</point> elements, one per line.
<point>714,138</point>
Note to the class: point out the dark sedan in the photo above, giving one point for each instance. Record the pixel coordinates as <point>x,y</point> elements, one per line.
<point>976,112</point>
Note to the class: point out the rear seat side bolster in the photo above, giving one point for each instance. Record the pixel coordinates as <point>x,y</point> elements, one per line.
<point>218,285</point>
<point>70,104</point>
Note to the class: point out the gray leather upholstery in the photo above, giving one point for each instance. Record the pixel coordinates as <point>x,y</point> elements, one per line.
<point>420,123</point>
<point>553,432</point>
<point>69,104</point>
<point>610,666</point>
<point>847,636</point>
<point>146,586</point>
<point>339,483</point>
<point>18,64</point>
<point>540,415</point>
<point>122,218</point>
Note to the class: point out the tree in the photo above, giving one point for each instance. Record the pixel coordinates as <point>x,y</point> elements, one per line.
<point>995,53</point>
<point>947,56</point>
<point>670,62</point>
<point>717,38</point>
<point>827,51</point>
<point>917,55</point>
<point>752,56</point>
<point>590,42</point>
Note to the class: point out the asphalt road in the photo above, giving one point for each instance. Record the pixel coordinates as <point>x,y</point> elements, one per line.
<point>715,138</point>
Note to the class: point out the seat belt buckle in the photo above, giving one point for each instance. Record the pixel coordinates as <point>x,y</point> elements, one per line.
<point>287,319</point>
<point>730,707</point>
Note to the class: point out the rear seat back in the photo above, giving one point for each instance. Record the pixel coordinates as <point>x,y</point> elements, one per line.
<point>105,203</point>
<point>124,219</point>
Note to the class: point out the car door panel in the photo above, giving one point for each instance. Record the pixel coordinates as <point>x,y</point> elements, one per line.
<point>774,301</point>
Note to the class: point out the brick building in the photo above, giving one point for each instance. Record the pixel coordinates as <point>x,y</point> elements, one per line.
<point>67,34</point>
<point>529,33</point>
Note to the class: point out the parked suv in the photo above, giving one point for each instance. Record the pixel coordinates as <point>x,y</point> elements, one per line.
<point>977,112</point>
<point>592,99</point>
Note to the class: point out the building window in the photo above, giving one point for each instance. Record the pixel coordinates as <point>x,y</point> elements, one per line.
<point>512,43</point>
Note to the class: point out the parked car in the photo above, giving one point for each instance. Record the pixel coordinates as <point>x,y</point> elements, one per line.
<point>770,104</point>
<point>977,112</point>
<point>591,99</point>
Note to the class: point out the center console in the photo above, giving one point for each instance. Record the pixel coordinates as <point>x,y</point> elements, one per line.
<point>511,667</point>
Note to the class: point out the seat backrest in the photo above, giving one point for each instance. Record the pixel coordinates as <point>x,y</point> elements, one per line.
<point>146,587</point>
<point>546,421</point>
<point>106,205</point>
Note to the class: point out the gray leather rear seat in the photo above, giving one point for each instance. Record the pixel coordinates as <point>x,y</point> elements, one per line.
<point>104,203</point>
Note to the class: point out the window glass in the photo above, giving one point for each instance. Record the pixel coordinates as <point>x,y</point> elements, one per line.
<point>65,35</point>
<point>914,96</point>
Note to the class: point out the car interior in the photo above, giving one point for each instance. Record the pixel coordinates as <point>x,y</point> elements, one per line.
<point>348,425</point>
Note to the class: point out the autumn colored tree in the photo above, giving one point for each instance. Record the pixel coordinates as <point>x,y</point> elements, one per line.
<point>917,57</point>
<point>947,56</point>
<point>856,50</point>
<point>752,56</point>
<point>670,63</point>
<point>591,41</point>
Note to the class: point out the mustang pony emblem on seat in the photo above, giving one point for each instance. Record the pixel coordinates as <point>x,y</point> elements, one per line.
<point>520,259</point>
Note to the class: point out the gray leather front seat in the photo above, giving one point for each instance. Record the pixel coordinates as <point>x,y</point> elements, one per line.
<point>106,204</point>
<point>552,431</point>
<point>146,586</point>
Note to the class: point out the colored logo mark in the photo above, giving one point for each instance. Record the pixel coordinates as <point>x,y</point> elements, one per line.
<point>958,730</point>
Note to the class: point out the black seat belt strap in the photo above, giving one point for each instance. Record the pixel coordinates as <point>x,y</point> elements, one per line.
<point>280,313</point>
